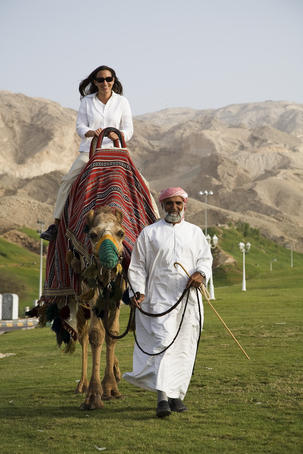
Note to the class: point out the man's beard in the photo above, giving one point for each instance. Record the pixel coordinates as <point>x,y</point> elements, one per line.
<point>174,218</point>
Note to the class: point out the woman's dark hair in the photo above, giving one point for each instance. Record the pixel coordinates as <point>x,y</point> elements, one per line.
<point>87,86</point>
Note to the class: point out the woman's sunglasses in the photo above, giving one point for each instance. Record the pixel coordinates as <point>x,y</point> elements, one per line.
<point>100,80</point>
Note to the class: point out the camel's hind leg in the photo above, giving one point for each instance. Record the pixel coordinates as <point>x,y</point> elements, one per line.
<point>96,338</point>
<point>112,372</point>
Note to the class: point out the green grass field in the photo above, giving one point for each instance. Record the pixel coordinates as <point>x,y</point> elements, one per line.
<point>235,405</point>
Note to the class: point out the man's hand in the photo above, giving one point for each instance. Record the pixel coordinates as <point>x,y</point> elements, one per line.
<point>195,280</point>
<point>137,300</point>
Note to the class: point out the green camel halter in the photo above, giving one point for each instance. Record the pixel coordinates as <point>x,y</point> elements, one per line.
<point>107,251</point>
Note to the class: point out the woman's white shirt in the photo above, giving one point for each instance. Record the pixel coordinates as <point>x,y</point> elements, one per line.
<point>93,114</point>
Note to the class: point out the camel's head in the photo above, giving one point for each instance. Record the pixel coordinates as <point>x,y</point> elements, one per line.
<point>106,234</point>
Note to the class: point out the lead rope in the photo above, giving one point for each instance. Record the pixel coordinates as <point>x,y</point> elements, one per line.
<point>159,315</point>
<point>200,330</point>
<point>149,314</point>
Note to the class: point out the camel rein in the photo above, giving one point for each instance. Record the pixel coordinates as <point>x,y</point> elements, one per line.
<point>203,292</point>
<point>161,314</point>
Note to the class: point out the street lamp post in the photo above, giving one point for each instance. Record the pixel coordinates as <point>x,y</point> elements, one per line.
<point>271,262</point>
<point>244,248</point>
<point>40,230</point>
<point>206,194</point>
<point>291,256</point>
<point>212,241</point>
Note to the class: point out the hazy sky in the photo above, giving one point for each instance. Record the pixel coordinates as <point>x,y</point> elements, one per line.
<point>167,53</point>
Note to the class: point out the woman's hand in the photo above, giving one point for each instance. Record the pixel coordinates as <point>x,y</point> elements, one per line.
<point>97,132</point>
<point>113,136</point>
<point>91,133</point>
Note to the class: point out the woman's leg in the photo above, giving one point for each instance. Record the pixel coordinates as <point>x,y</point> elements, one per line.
<point>65,185</point>
<point>67,182</point>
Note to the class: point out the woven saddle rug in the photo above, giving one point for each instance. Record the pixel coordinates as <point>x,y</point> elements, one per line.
<point>110,178</point>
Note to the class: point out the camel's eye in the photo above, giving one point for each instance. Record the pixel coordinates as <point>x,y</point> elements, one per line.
<point>120,234</point>
<point>93,236</point>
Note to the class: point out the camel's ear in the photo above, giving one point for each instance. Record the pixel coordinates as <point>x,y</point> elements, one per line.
<point>89,220</point>
<point>118,215</point>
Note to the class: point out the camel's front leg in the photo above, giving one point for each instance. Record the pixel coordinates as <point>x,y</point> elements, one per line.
<point>112,372</point>
<point>96,338</point>
<point>82,386</point>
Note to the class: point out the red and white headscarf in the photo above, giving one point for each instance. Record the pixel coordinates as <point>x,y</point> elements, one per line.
<point>173,192</point>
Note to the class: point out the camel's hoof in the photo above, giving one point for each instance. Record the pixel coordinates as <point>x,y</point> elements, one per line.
<point>81,388</point>
<point>117,395</point>
<point>83,406</point>
<point>92,402</point>
<point>112,395</point>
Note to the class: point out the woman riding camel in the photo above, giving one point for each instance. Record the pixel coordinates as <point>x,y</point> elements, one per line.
<point>102,105</point>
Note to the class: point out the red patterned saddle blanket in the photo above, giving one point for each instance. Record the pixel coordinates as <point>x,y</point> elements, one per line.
<point>110,178</point>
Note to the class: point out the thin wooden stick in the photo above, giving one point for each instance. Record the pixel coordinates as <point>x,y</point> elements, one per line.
<point>204,292</point>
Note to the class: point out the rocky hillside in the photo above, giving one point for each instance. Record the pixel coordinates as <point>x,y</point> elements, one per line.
<point>249,155</point>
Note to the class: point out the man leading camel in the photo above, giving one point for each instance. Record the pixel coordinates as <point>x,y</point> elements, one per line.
<point>153,275</point>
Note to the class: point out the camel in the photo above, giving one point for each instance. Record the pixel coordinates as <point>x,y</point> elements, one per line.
<point>84,282</point>
<point>105,232</point>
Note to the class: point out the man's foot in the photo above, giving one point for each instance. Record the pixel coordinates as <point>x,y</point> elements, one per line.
<point>177,405</point>
<point>163,409</point>
<point>50,234</point>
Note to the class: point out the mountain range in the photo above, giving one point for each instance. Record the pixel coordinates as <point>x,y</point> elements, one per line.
<point>249,155</point>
